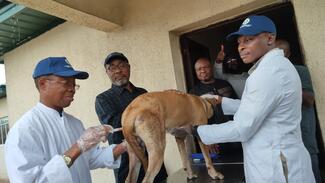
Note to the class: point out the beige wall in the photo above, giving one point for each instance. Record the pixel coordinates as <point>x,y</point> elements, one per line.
<point>107,9</point>
<point>149,38</point>
<point>310,16</point>
<point>3,107</point>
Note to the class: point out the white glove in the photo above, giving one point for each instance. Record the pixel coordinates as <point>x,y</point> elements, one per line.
<point>92,136</point>
<point>210,96</point>
<point>213,99</point>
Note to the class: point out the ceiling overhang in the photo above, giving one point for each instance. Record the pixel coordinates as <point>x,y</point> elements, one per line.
<point>19,24</point>
<point>104,15</point>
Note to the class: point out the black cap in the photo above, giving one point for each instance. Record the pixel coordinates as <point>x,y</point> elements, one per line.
<point>114,56</point>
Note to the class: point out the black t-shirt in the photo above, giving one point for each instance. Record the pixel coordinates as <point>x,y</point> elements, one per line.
<point>222,88</point>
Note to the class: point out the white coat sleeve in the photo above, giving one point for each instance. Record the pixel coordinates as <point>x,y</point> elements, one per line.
<point>229,105</point>
<point>102,157</point>
<point>26,161</point>
<point>259,100</point>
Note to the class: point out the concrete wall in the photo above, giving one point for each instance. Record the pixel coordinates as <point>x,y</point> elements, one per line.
<point>149,38</point>
<point>310,17</point>
<point>107,9</point>
<point>3,107</point>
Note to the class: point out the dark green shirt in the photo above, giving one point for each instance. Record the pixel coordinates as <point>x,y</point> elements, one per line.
<point>308,117</point>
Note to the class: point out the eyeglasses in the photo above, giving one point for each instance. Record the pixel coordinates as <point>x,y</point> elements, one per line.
<point>121,65</point>
<point>202,68</point>
<point>66,84</point>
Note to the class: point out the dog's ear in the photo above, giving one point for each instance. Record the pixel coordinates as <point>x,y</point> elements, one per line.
<point>208,106</point>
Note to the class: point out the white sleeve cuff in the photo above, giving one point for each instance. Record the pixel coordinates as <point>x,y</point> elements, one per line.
<point>230,106</point>
<point>113,163</point>
<point>219,133</point>
<point>103,157</point>
<point>56,171</point>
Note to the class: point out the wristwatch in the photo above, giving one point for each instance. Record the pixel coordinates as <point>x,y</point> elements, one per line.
<point>67,160</point>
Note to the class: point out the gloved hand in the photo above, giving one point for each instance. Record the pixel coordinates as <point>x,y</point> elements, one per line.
<point>210,96</point>
<point>93,135</point>
<point>213,99</point>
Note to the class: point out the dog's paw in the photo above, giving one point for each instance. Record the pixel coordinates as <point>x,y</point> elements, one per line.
<point>192,177</point>
<point>215,175</point>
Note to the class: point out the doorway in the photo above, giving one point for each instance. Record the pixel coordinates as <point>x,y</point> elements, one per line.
<point>206,42</point>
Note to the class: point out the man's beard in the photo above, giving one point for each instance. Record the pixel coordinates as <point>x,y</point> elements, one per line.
<point>120,82</point>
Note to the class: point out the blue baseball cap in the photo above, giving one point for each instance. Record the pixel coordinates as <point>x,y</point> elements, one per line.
<point>58,66</point>
<point>254,25</point>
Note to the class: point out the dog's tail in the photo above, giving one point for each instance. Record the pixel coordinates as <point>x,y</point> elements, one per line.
<point>133,140</point>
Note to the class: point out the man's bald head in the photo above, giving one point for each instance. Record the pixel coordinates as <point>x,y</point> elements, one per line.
<point>204,70</point>
<point>285,46</point>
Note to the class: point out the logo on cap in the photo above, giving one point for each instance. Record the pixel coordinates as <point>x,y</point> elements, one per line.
<point>245,23</point>
<point>253,25</point>
<point>68,64</point>
<point>58,66</point>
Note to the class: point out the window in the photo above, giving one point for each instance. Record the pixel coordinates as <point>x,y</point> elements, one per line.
<point>4,128</point>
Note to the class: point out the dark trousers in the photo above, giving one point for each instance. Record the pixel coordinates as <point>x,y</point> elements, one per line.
<point>122,172</point>
<point>315,166</point>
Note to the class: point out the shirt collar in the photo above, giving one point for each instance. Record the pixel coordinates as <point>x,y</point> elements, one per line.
<point>49,110</point>
<point>273,51</point>
<point>120,89</point>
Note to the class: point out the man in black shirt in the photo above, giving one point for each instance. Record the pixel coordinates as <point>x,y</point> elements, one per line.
<point>210,85</point>
<point>111,104</point>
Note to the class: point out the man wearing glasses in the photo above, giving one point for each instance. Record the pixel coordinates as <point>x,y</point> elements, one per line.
<point>49,145</point>
<point>111,103</point>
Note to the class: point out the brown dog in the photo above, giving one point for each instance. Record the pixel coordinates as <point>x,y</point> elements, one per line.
<point>147,119</point>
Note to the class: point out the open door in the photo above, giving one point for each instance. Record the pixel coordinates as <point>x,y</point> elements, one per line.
<point>206,42</point>
<point>191,51</point>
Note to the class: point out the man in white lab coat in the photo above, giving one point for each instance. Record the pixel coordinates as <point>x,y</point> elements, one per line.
<point>47,144</point>
<point>267,118</point>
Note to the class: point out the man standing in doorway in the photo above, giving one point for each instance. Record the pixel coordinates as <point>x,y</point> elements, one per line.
<point>210,85</point>
<point>267,118</point>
